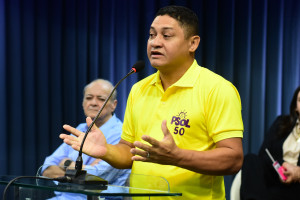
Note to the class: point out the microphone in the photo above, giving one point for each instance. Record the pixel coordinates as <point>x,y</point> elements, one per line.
<point>78,175</point>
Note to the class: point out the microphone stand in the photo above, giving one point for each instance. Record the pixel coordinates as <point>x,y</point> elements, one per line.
<point>78,175</point>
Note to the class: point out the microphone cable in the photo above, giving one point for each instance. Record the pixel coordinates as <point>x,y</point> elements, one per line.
<point>62,179</point>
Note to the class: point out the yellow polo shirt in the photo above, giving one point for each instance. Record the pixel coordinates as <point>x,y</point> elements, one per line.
<point>201,109</point>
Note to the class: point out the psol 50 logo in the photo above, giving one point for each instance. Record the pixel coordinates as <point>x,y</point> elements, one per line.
<point>181,122</point>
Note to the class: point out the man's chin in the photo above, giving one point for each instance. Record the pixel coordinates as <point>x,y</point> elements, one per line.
<point>92,116</point>
<point>156,64</point>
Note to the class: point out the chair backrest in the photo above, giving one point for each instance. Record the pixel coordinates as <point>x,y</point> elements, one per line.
<point>235,187</point>
<point>38,172</point>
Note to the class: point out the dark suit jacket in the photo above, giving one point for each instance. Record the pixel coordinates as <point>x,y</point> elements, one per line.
<point>260,181</point>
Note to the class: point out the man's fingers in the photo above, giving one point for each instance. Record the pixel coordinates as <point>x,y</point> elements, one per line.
<point>74,143</point>
<point>138,158</point>
<point>139,154</point>
<point>150,140</point>
<point>72,130</point>
<point>164,128</point>
<point>89,122</point>
<point>63,136</point>
<point>70,140</point>
<point>141,146</point>
<point>154,142</point>
<point>76,147</point>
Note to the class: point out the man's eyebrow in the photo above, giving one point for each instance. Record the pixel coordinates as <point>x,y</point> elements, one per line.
<point>98,96</point>
<point>164,28</point>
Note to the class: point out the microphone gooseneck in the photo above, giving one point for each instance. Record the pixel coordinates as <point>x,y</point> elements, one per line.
<point>138,66</point>
<point>78,172</point>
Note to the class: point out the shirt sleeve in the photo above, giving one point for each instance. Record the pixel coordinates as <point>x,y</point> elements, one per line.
<point>112,132</point>
<point>224,116</point>
<point>54,159</point>
<point>62,152</point>
<point>107,172</point>
<point>128,129</point>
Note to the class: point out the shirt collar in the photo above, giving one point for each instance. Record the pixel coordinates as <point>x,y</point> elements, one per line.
<point>187,80</point>
<point>106,126</point>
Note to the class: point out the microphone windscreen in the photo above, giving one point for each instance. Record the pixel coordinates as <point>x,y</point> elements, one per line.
<point>138,66</point>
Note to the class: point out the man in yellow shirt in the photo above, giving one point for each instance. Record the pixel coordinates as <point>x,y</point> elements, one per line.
<point>182,123</point>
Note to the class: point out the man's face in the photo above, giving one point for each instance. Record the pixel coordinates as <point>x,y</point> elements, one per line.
<point>167,45</point>
<point>94,97</point>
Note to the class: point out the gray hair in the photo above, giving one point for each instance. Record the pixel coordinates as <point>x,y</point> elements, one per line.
<point>106,82</point>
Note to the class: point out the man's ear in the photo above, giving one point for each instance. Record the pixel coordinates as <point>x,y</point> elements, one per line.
<point>194,43</point>
<point>114,105</point>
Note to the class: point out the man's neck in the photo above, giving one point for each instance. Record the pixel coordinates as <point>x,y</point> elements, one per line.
<point>100,122</point>
<point>169,77</point>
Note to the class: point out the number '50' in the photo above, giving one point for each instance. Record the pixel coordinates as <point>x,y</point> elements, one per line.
<point>177,130</point>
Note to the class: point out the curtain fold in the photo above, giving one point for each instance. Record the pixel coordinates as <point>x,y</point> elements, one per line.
<point>49,50</point>
<point>3,103</point>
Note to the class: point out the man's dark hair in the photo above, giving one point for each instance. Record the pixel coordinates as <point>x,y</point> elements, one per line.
<point>187,19</point>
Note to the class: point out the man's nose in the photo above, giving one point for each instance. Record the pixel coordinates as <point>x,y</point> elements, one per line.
<point>156,42</point>
<point>94,101</point>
